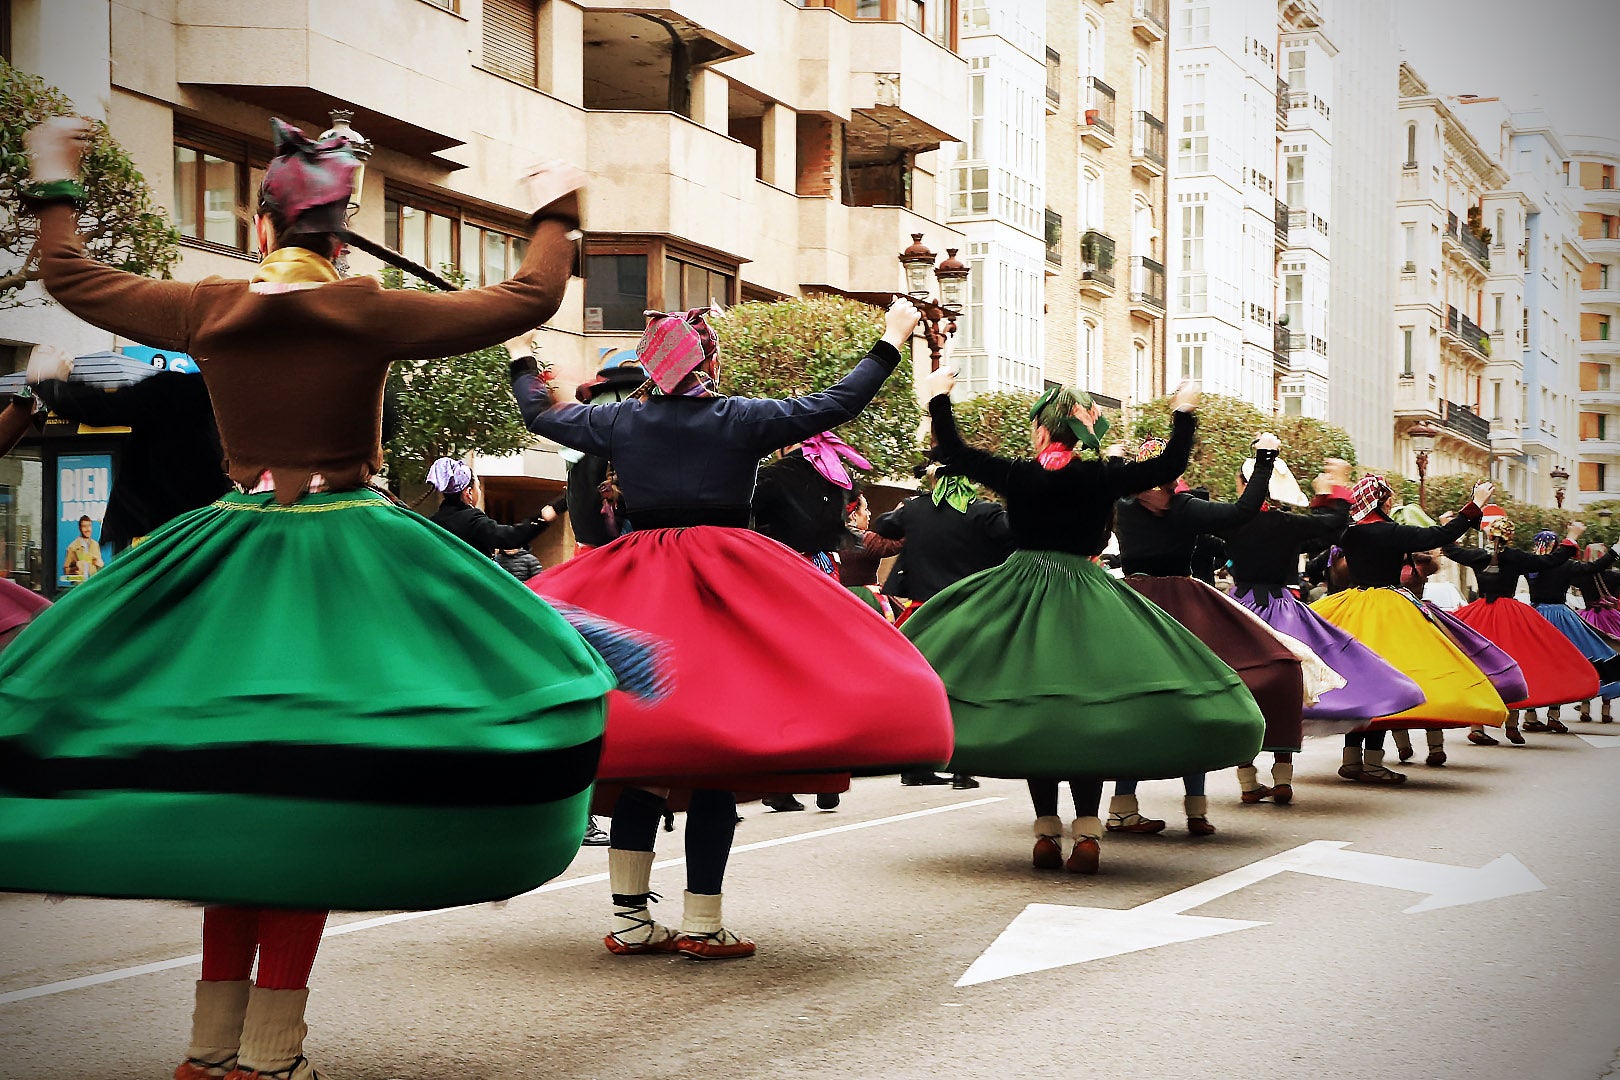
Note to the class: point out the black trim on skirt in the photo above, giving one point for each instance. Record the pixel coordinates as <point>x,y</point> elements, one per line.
<point>685,517</point>
<point>343,774</point>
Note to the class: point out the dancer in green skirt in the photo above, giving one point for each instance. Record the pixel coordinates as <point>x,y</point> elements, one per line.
<point>1054,670</point>
<point>251,709</point>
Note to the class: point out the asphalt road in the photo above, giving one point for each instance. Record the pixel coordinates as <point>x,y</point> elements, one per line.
<point>868,917</point>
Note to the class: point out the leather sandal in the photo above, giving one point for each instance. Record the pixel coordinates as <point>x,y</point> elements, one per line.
<point>1534,725</point>
<point>1048,853</point>
<point>1259,794</point>
<point>1479,738</point>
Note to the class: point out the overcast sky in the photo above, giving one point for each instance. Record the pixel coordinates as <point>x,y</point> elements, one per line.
<point>1559,55</point>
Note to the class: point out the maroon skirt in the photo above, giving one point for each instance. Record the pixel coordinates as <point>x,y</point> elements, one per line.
<point>779,671</point>
<point>1265,665</point>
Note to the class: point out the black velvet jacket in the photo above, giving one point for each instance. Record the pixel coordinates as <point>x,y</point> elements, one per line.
<point>1069,509</point>
<point>1162,545</point>
<point>483,532</point>
<point>1376,549</point>
<point>1265,551</point>
<point>1498,578</point>
<point>943,545</point>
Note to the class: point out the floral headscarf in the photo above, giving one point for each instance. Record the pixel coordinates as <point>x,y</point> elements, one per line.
<point>1499,529</point>
<point>1367,496</point>
<point>1545,542</point>
<point>449,476</point>
<point>680,351</point>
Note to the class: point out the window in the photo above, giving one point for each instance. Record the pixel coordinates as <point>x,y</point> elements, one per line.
<point>5,30</point>
<point>1094,48</point>
<point>1294,301</point>
<point>1089,365</point>
<point>1296,182</point>
<point>438,233</point>
<point>975,145</point>
<point>1406,351</point>
<point>215,188</point>
<point>1192,146</point>
<point>1143,372</point>
<point>1192,362</point>
<point>625,276</point>
<point>1296,70</point>
<point>1411,146</point>
<point>511,39</point>
<point>1192,237</point>
<point>972,192</point>
<point>1192,293</point>
<point>1091,198</point>
<point>1497,303</point>
<point>1195,24</point>
<point>1593,426</point>
<point>1496,399</point>
<point>1409,243</point>
<point>1592,476</point>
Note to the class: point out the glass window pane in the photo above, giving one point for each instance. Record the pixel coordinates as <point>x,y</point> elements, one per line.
<point>615,292</point>
<point>694,286</point>
<point>672,285</point>
<point>520,249</point>
<point>440,249</point>
<point>413,233</point>
<point>219,201</point>
<point>391,223</point>
<point>255,178</point>
<point>494,258</point>
<point>185,190</point>
<point>471,244</point>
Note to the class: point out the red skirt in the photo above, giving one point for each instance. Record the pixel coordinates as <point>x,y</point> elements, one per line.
<point>1555,670</point>
<point>778,669</point>
<point>1272,673</point>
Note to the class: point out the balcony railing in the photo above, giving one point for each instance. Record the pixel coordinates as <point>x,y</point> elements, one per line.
<point>1470,243</point>
<point>1097,258</point>
<point>1465,422</point>
<point>1147,282</point>
<point>1281,343</point>
<point>1148,138</point>
<point>1054,238</point>
<point>1279,222</point>
<point>1151,17</point>
<point>1469,332</point>
<point>1282,103</point>
<point>1054,76</point>
<point>1100,104</point>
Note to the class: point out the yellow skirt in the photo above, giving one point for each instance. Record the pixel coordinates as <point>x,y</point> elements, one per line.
<point>1457,692</point>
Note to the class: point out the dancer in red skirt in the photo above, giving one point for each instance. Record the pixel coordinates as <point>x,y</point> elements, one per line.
<point>751,702</point>
<point>1555,671</point>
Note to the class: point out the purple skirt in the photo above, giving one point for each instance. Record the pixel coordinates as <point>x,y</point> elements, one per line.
<point>1500,668</point>
<point>1373,688</point>
<point>1605,619</point>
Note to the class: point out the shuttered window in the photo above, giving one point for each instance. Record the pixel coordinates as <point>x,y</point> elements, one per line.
<point>510,32</point>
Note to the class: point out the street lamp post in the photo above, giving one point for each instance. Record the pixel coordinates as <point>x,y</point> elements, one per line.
<point>362,148</point>
<point>938,317</point>
<point>1560,480</point>
<point>1422,436</point>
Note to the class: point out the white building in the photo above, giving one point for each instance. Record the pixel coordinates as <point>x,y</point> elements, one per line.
<point>997,195</point>
<point>1596,197</point>
<point>1250,201</point>
<point>1361,274</point>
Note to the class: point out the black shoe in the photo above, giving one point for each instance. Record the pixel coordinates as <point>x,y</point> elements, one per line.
<point>827,801</point>
<point>595,835</point>
<point>782,803</point>
<point>963,783</point>
<point>926,779</point>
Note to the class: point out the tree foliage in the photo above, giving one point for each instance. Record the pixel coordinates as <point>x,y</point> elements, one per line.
<point>785,348</point>
<point>452,406</point>
<point>1226,428</point>
<point>121,226</point>
<point>998,423</point>
<point>1442,493</point>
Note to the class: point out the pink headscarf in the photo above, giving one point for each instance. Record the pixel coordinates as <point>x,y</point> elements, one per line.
<point>675,347</point>
<point>827,452</point>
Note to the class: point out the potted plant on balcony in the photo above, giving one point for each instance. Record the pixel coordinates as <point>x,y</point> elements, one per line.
<point>1097,252</point>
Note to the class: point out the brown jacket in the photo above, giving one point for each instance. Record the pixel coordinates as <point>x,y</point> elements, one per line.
<point>296,377</point>
<point>14,421</point>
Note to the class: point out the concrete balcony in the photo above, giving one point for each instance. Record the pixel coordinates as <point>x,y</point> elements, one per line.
<point>1598,347</point>
<point>1599,448</point>
<point>658,172</point>
<point>1150,19</point>
<point>1600,298</point>
<point>1097,122</point>
<point>302,58</point>
<point>1147,288</point>
<point>725,27</point>
<point>857,248</point>
<point>1459,240</point>
<point>1600,399</point>
<point>1599,246</point>
<point>1097,264</point>
<point>1415,399</point>
<point>905,83</point>
<point>1607,199</point>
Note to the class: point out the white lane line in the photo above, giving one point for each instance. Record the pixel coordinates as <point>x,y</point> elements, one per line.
<point>47,989</point>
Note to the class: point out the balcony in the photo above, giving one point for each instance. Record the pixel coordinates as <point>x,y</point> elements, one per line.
<point>1603,399</point>
<point>1609,298</point>
<point>657,172</point>
<point>1054,239</point>
<point>1600,346</point>
<point>1054,81</point>
<point>1415,400</point>
<point>1147,288</point>
<point>1147,145</point>
<point>1463,238</point>
<point>1279,222</point>
<point>1281,346</point>
<point>1099,117</point>
<point>1604,448</point>
<point>1282,104</point>
<point>1465,422</point>
<point>1150,19</point>
<point>852,248</point>
<point>1467,332</point>
<point>1097,264</point>
<point>1598,198</point>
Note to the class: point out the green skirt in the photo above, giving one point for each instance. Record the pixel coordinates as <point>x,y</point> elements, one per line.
<point>333,704</point>
<point>1054,669</point>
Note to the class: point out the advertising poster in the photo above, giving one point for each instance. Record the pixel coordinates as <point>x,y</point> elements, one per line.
<point>83,482</point>
<point>160,359</point>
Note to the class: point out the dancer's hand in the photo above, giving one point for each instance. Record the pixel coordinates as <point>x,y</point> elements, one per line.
<point>1483,492</point>
<point>940,382</point>
<point>554,186</point>
<point>48,362</point>
<point>1187,395</point>
<point>1576,528</point>
<point>56,148</point>
<point>1323,484</point>
<point>1267,441</point>
<point>548,513</point>
<point>900,322</point>
<point>522,345</point>
<point>1339,470</point>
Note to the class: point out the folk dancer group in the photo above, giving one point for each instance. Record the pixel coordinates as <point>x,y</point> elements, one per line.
<point>236,749</point>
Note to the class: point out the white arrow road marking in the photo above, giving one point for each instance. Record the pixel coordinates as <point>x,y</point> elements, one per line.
<point>1602,742</point>
<point>1046,936</point>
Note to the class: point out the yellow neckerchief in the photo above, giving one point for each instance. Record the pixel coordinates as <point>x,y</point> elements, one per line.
<point>293,268</point>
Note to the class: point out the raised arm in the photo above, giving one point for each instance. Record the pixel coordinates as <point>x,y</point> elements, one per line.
<point>587,428</point>
<point>1472,557</point>
<point>1596,566</point>
<point>89,404</point>
<point>1134,477</point>
<point>993,471</point>
<point>1418,538</point>
<point>487,535</point>
<point>1204,516</point>
<point>890,527</point>
<point>1530,563</point>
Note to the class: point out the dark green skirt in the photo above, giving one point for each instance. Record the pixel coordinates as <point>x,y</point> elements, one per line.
<point>1055,669</point>
<point>333,704</point>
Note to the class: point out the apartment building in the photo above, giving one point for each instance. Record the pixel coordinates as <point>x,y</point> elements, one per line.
<point>735,150</point>
<point>1107,146</point>
<point>1363,267</point>
<point>1595,196</point>
<point>1250,198</point>
<point>997,184</point>
<point>1442,350</point>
